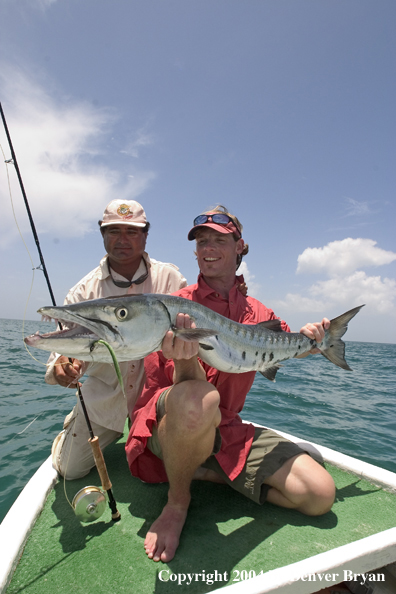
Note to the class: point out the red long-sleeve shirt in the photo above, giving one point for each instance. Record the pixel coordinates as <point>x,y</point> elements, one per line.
<point>236,436</point>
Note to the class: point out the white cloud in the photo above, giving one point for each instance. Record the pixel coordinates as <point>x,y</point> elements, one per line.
<point>347,287</point>
<point>355,208</point>
<point>345,292</point>
<point>296,302</point>
<point>45,3</point>
<point>359,288</point>
<point>142,139</point>
<point>40,4</point>
<point>58,148</point>
<point>343,257</point>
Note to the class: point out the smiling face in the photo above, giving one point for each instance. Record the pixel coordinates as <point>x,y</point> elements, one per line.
<point>124,244</point>
<point>217,253</point>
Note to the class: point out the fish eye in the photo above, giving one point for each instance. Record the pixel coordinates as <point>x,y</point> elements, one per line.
<point>121,313</point>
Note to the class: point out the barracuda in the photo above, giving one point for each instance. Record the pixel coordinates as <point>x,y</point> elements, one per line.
<point>135,326</point>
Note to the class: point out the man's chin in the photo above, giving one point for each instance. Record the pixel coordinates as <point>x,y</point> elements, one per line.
<point>211,273</point>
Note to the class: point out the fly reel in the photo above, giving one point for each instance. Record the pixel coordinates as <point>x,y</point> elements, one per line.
<point>89,504</point>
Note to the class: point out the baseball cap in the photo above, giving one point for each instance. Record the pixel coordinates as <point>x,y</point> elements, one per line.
<point>124,212</point>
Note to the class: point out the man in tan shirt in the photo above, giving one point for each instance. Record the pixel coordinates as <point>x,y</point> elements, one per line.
<point>125,270</point>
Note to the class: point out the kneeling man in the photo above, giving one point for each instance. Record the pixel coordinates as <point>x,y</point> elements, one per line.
<point>186,423</point>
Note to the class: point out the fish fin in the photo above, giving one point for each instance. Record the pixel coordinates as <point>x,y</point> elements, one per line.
<point>270,373</point>
<point>206,347</point>
<point>274,325</point>
<point>334,349</point>
<point>193,334</point>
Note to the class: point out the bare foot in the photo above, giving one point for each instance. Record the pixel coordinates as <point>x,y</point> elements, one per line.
<point>162,539</point>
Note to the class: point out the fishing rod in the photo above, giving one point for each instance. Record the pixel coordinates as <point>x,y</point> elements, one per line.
<point>86,512</point>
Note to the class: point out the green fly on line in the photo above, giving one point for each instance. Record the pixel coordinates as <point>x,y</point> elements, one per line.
<point>115,362</point>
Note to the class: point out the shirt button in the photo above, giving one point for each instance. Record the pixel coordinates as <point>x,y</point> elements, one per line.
<point>216,295</point>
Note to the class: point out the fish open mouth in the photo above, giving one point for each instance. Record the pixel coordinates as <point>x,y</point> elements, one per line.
<point>75,331</point>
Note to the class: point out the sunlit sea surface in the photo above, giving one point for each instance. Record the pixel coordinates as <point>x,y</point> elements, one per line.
<point>352,412</point>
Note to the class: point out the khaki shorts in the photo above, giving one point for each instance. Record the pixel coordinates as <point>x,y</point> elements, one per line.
<point>268,453</point>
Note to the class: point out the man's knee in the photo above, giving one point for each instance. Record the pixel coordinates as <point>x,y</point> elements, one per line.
<point>324,499</point>
<point>305,485</point>
<point>194,404</point>
<point>68,466</point>
<point>318,488</point>
<point>71,452</point>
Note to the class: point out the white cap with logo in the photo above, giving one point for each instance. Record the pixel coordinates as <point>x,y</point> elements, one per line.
<point>124,212</point>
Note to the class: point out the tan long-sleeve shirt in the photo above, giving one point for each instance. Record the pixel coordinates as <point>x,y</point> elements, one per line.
<point>102,394</point>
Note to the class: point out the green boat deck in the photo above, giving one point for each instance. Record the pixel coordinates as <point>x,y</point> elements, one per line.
<point>225,535</point>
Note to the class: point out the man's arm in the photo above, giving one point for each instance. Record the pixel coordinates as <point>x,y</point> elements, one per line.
<point>184,354</point>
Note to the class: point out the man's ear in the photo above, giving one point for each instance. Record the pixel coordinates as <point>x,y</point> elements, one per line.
<point>240,246</point>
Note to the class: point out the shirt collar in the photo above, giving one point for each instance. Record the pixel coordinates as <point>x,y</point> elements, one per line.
<point>205,290</point>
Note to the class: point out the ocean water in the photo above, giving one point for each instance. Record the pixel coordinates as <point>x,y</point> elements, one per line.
<point>352,412</point>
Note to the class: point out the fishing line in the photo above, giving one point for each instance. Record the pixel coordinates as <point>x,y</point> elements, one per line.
<point>7,162</point>
<point>23,430</point>
<point>27,427</point>
<point>12,204</point>
<point>24,243</point>
<point>88,504</point>
<point>42,265</point>
<point>67,466</point>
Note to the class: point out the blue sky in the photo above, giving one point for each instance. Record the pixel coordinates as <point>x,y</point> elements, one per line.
<point>284,111</point>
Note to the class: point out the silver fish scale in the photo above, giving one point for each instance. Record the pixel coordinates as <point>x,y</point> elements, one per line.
<point>238,347</point>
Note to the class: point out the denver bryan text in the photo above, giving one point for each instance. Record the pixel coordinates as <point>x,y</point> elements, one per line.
<point>346,576</point>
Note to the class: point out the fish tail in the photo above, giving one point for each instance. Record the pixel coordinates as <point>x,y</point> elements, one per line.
<point>332,347</point>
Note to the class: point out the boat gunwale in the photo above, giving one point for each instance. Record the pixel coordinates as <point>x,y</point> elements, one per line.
<point>21,518</point>
<point>375,474</point>
<point>361,556</point>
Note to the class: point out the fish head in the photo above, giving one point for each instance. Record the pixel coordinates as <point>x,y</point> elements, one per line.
<point>133,326</point>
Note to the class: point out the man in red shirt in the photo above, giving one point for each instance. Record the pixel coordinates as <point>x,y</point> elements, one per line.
<point>186,424</point>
